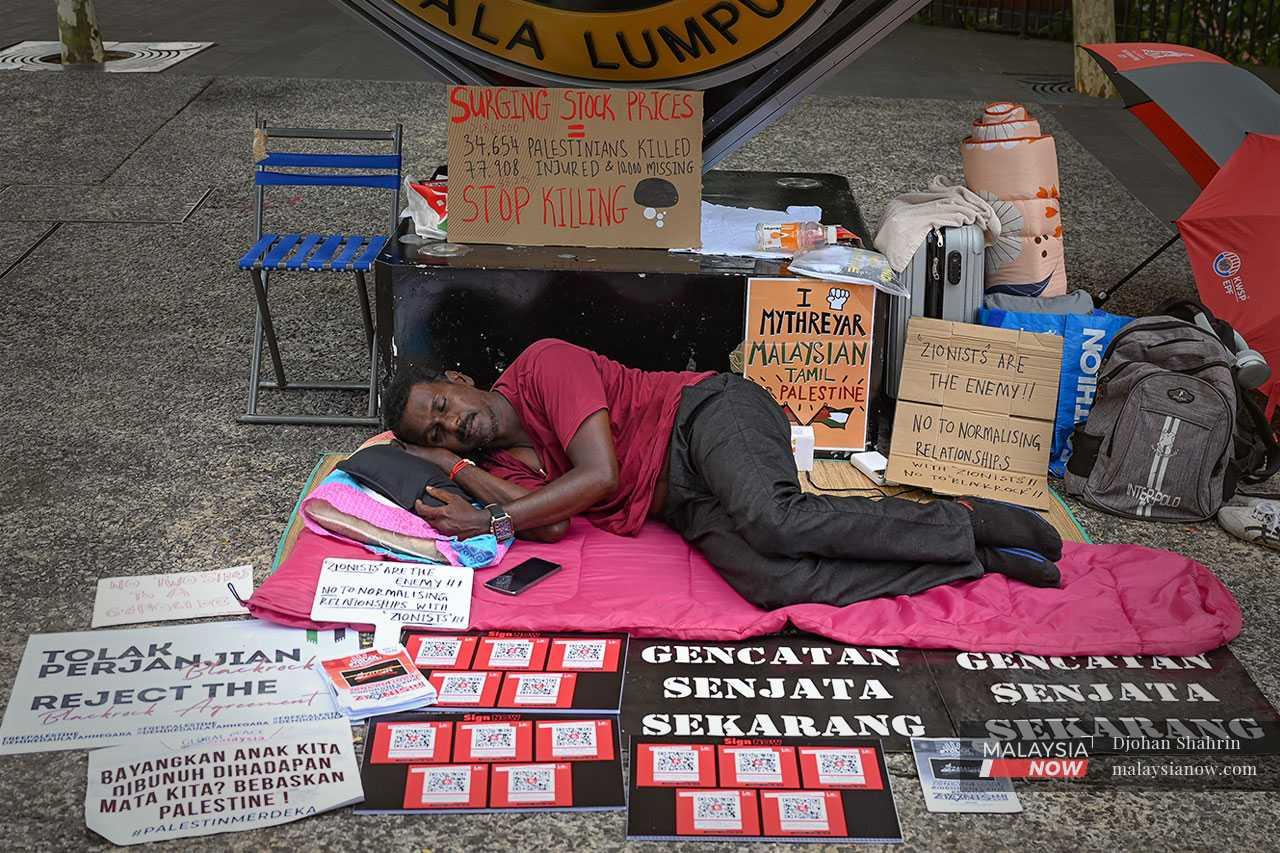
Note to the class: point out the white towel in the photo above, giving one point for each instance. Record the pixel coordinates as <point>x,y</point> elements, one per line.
<point>909,217</point>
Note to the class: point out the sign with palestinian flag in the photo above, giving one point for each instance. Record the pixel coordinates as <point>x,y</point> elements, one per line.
<point>808,343</point>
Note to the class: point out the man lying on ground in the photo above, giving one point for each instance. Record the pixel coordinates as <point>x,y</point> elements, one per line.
<point>566,431</point>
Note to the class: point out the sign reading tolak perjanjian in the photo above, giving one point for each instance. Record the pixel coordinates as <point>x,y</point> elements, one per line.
<point>175,685</point>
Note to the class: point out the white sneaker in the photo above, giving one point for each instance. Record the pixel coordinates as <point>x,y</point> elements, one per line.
<point>1257,522</point>
<point>1242,499</point>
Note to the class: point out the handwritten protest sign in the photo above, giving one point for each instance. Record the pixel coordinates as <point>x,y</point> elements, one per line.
<point>369,592</point>
<point>808,343</point>
<point>136,795</point>
<point>174,684</point>
<point>575,167</point>
<point>975,411</point>
<point>184,595</point>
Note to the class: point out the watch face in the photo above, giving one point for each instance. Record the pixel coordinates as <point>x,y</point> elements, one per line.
<point>501,526</point>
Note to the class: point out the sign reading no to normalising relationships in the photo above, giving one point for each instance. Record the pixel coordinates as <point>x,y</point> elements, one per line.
<point>575,167</point>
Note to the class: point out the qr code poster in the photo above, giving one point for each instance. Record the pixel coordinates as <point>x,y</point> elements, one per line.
<point>719,812</point>
<point>840,767</point>
<point>575,740</point>
<point>758,767</point>
<point>437,651</point>
<point>447,786</point>
<point>691,766</point>
<point>585,655</point>
<point>531,785</point>
<point>537,690</point>
<point>494,741</point>
<point>412,743</point>
<point>529,653</point>
<point>713,787</point>
<point>818,813</point>
<point>466,689</point>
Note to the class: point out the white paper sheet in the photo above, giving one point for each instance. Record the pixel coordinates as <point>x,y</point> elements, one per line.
<point>950,771</point>
<point>732,230</point>
<point>371,592</point>
<point>182,595</point>
<point>139,794</point>
<point>173,684</point>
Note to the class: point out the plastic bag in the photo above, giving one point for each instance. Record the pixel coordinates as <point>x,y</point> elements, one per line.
<point>851,265</point>
<point>427,204</point>
<point>1085,338</point>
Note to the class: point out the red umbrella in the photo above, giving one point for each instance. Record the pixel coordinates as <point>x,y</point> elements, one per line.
<point>1232,234</point>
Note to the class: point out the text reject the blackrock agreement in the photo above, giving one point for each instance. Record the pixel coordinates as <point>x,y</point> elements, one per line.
<point>370,592</point>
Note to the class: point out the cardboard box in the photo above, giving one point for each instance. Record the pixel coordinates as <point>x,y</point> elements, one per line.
<point>975,411</point>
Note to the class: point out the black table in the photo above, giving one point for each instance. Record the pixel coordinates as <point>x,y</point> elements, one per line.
<point>647,308</point>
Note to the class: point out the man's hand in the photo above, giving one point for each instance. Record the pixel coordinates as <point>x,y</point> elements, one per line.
<point>456,518</point>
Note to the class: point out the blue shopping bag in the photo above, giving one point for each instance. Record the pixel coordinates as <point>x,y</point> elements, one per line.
<point>1085,338</point>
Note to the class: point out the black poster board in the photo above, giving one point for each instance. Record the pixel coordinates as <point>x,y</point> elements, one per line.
<point>742,789</point>
<point>1135,704</point>
<point>468,762</point>
<point>522,671</point>
<point>788,687</point>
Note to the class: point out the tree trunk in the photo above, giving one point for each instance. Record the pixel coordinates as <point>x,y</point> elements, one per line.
<point>78,32</point>
<point>1092,21</point>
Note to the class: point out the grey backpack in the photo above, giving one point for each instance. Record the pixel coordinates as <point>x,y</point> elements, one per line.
<point>1159,440</point>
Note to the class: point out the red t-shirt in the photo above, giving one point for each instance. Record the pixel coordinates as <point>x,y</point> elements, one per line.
<point>555,386</point>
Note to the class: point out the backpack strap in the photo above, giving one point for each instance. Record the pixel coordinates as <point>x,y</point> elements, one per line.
<point>1084,452</point>
<point>1262,429</point>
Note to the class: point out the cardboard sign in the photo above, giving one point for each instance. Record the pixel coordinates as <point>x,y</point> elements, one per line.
<point>808,343</point>
<point>575,167</point>
<point>176,684</point>
<point>154,794</point>
<point>975,411</point>
<point>798,687</point>
<point>757,789</point>
<point>184,595</point>
<point>456,762</point>
<point>371,592</point>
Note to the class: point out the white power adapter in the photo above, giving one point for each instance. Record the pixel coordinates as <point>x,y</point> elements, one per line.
<point>872,464</point>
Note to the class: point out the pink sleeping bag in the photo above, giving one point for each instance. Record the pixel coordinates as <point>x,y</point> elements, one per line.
<point>1116,599</point>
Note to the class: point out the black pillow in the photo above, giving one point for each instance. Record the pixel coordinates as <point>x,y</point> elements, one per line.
<point>398,475</point>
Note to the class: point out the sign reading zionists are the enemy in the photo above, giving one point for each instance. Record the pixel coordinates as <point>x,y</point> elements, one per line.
<point>803,687</point>
<point>136,795</point>
<point>180,684</point>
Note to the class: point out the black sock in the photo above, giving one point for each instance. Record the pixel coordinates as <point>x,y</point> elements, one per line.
<point>997,524</point>
<point>1021,565</point>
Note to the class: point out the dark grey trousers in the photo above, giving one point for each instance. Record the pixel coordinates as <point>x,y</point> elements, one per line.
<point>734,494</point>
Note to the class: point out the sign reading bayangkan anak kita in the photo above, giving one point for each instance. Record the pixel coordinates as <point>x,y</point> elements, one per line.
<point>614,40</point>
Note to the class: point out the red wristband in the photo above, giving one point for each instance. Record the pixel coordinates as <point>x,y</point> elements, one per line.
<point>458,466</point>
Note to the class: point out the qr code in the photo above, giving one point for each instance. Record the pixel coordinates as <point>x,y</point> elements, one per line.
<point>446,784</point>
<point>757,765</point>
<point>584,654</point>
<point>437,652</point>
<point>511,653</point>
<point>675,764</point>
<point>843,765</point>
<point>716,811</point>
<point>573,739</point>
<point>495,740</point>
<point>537,689</point>
<point>531,783</point>
<point>467,687</point>
<point>802,811</point>
<point>412,742</point>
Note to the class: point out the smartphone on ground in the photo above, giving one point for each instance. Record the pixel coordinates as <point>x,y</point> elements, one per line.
<point>517,580</point>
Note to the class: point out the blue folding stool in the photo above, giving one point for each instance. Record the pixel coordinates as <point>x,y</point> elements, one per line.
<point>316,252</point>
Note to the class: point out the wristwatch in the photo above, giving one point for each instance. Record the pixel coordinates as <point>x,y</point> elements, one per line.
<point>500,524</point>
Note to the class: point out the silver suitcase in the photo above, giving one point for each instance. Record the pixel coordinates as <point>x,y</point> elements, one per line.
<point>945,279</point>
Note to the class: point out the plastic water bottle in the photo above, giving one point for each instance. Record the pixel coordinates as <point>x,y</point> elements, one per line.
<point>794,236</point>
